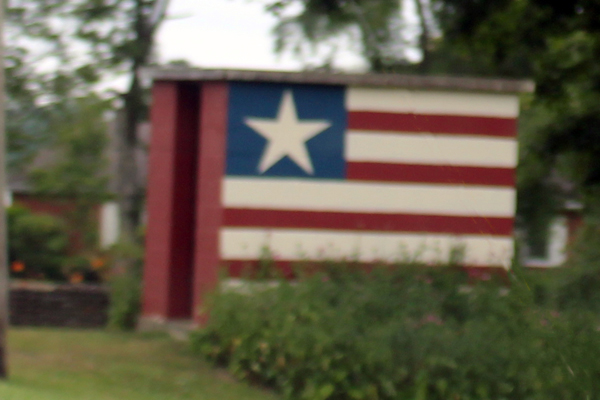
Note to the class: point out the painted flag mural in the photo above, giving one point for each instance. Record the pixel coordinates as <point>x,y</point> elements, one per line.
<point>322,172</point>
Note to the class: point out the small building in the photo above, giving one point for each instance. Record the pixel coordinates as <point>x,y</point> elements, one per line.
<point>303,167</point>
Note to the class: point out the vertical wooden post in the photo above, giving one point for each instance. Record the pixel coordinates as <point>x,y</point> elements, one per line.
<point>4,287</point>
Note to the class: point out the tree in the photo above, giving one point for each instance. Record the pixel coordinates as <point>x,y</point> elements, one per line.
<point>114,37</point>
<point>77,167</point>
<point>556,44</point>
<point>132,47</point>
<point>378,23</point>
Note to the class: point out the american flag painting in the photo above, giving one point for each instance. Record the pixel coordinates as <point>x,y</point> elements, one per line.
<point>326,172</point>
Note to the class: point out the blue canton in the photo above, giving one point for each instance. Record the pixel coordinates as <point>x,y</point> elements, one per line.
<point>246,147</point>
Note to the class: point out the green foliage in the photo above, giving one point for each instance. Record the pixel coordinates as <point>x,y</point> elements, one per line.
<point>404,334</point>
<point>125,293</point>
<point>321,20</point>
<point>13,213</point>
<point>125,286</point>
<point>491,38</point>
<point>38,241</point>
<point>37,31</point>
<point>80,139</point>
<point>27,130</point>
<point>578,288</point>
<point>82,44</point>
<point>77,170</point>
<point>80,268</point>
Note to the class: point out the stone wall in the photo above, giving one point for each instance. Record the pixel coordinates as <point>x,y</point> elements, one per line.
<point>42,304</point>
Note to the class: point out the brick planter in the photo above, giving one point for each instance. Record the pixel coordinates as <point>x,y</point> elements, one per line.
<point>60,305</point>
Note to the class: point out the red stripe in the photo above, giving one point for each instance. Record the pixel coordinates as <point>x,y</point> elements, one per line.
<point>465,125</point>
<point>367,171</point>
<point>240,217</point>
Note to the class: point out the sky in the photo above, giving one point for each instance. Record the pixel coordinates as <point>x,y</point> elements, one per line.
<point>232,34</point>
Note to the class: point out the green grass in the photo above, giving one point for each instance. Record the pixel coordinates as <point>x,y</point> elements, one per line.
<point>61,364</point>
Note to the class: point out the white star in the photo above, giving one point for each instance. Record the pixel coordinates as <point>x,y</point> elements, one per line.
<point>286,135</point>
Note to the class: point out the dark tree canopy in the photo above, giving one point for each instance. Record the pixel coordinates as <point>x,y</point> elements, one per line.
<point>378,23</point>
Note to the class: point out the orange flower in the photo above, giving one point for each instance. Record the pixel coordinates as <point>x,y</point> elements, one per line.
<point>97,263</point>
<point>17,266</point>
<point>76,277</point>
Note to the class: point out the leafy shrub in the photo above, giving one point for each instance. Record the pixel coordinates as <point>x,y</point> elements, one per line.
<point>574,287</point>
<point>38,242</point>
<point>578,284</point>
<point>89,268</point>
<point>404,334</point>
<point>125,286</point>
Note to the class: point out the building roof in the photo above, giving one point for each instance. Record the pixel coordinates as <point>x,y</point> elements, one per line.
<point>328,78</point>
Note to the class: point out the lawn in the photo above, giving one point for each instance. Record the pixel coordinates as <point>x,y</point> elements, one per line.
<point>61,364</point>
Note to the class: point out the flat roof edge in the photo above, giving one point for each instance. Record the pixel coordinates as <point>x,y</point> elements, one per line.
<point>327,78</point>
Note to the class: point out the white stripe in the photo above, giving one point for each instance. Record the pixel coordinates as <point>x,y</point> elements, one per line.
<point>290,244</point>
<point>431,149</point>
<point>348,196</point>
<point>440,103</point>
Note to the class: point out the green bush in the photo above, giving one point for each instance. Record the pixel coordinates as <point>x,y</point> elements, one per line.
<point>38,241</point>
<point>409,334</point>
<point>125,286</point>
<point>578,288</point>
